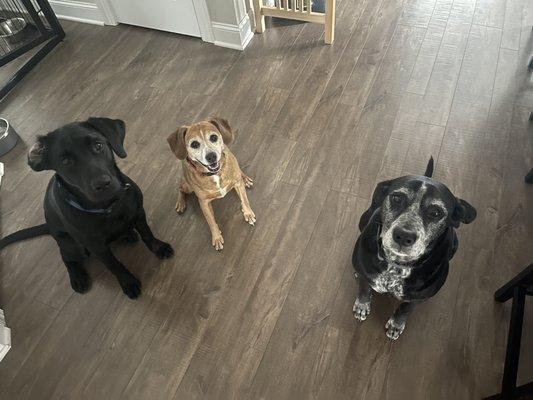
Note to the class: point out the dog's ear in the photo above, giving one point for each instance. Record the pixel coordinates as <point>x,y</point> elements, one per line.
<point>114,131</point>
<point>463,212</point>
<point>38,155</point>
<point>380,193</point>
<point>224,129</point>
<point>377,198</point>
<point>176,141</point>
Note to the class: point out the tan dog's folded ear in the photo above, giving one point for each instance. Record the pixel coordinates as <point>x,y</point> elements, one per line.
<point>176,141</point>
<point>224,128</point>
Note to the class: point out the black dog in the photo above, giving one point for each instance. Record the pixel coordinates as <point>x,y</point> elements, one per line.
<point>407,239</point>
<point>89,202</point>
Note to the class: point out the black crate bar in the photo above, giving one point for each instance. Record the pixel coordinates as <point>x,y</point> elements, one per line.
<point>39,26</point>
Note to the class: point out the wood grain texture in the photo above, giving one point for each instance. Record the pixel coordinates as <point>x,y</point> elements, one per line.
<point>318,126</point>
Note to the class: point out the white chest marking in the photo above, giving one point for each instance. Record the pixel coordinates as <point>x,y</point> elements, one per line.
<point>222,190</point>
<point>391,280</point>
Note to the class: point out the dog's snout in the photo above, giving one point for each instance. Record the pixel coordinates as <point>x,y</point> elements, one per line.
<point>211,157</point>
<point>404,237</point>
<point>101,183</point>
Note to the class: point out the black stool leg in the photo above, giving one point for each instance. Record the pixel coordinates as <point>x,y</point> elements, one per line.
<point>529,176</point>
<point>513,342</point>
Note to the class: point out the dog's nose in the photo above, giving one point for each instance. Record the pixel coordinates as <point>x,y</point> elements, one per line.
<point>404,237</point>
<point>211,157</point>
<point>101,183</point>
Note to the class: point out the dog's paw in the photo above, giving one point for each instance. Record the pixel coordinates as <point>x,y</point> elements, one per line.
<point>361,310</point>
<point>393,328</point>
<point>80,280</point>
<point>248,182</point>
<point>130,238</point>
<point>161,249</point>
<point>131,286</point>
<point>218,242</point>
<point>249,216</point>
<point>181,206</point>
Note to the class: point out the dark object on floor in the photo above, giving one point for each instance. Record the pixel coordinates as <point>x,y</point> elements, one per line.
<point>529,176</point>
<point>89,202</point>
<point>24,25</point>
<point>517,288</point>
<point>8,137</point>
<point>407,240</point>
<point>319,6</point>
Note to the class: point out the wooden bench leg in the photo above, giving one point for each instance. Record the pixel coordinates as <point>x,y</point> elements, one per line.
<point>330,22</point>
<point>259,18</point>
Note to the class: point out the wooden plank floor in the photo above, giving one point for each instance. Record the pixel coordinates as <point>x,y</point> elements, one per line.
<point>270,316</point>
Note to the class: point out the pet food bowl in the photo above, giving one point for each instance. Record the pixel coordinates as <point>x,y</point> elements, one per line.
<point>12,29</point>
<point>8,137</point>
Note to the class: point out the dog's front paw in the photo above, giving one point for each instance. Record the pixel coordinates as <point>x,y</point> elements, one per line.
<point>248,182</point>
<point>393,328</point>
<point>161,249</point>
<point>249,216</point>
<point>361,310</point>
<point>217,241</point>
<point>80,280</point>
<point>131,286</point>
<point>181,206</point>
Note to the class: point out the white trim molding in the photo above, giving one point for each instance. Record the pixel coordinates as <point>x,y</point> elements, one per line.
<point>204,20</point>
<point>110,18</point>
<point>233,36</point>
<point>78,11</point>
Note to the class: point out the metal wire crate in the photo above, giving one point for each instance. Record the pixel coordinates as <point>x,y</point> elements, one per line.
<point>25,25</point>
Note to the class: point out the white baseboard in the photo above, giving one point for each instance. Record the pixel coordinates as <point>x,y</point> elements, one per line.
<point>233,36</point>
<point>78,11</point>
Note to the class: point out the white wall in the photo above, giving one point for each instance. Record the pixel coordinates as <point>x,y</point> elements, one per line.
<point>224,22</point>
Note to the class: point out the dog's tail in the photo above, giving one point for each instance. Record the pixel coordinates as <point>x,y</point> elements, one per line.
<point>24,234</point>
<point>429,168</point>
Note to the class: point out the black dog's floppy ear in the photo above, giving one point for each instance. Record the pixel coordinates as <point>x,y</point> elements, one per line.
<point>37,156</point>
<point>176,141</point>
<point>380,192</point>
<point>114,131</point>
<point>224,129</point>
<point>463,212</point>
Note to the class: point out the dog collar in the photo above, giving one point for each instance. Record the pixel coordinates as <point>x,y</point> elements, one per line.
<point>72,201</point>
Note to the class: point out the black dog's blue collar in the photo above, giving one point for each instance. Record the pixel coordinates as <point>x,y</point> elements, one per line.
<point>72,201</point>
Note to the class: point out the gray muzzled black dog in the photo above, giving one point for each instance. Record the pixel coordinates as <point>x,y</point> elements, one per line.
<point>407,240</point>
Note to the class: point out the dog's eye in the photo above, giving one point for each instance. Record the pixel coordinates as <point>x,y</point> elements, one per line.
<point>195,144</point>
<point>98,146</point>
<point>213,138</point>
<point>396,198</point>
<point>65,161</point>
<point>434,212</point>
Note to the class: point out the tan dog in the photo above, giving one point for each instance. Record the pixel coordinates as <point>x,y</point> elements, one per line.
<point>210,170</point>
